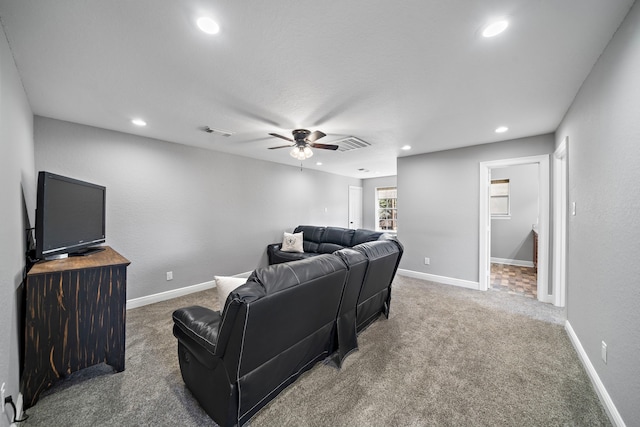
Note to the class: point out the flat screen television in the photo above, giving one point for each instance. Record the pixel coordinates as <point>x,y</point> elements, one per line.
<point>70,216</point>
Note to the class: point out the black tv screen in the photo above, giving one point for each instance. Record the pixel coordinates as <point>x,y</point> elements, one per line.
<point>70,215</point>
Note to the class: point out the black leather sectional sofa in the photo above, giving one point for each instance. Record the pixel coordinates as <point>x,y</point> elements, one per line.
<point>280,323</point>
<point>323,240</point>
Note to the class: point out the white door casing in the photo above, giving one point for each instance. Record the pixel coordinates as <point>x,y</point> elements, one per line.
<point>560,224</point>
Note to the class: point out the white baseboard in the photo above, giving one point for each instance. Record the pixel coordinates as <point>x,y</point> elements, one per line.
<point>174,293</point>
<point>516,262</point>
<point>440,279</point>
<point>609,407</point>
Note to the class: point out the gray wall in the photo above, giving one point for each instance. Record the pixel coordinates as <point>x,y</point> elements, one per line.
<point>603,299</point>
<point>369,198</point>
<point>17,190</point>
<point>438,199</point>
<point>192,211</point>
<point>512,238</point>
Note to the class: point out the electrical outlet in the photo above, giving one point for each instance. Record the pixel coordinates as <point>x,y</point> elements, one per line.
<point>604,352</point>
<point>169,275</point>
<point>2,396</point>
<point>427,261</point>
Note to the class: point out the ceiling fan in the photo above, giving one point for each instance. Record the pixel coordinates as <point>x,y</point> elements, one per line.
<point>303,140</point>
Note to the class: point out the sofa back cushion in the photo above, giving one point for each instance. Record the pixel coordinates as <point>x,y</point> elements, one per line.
<point>320,248</point>
<point>383,256</point>
<point>361,236</point>
<point>312,233</point>
<point>338,235</point>
<point>346,323</point>
<point>310,246</point>
<point>314,236</point>
<point>284,321</point>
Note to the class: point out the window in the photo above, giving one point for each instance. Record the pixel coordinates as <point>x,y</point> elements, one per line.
<point>386,209</point>
<point>500,206</point>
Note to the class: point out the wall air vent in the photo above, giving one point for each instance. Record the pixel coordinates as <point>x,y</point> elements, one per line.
<point>217,131</point>
<point>350,143</point>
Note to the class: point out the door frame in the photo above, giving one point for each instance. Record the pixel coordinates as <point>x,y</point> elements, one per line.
<point>560,194</point>
<point>543,221</point>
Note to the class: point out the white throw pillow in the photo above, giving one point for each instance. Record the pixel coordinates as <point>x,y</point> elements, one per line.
<point>226,285</point>
<point>292,242</point>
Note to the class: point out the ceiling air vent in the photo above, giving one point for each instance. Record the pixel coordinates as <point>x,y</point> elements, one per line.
<point>217,131</point>
<point>351,143</point>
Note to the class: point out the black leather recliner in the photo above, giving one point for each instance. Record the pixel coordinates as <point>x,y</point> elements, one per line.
<point>374,298</point>
<point>346,327</point>
<point>271,330</point>
<point>367,294</point>
<point>286,318</point>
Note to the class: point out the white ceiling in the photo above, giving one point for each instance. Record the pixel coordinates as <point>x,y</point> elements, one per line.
<point>391,73</point>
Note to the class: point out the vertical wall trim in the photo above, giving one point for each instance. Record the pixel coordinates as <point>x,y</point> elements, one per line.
<point>485,228</point>
<point>559,277</point>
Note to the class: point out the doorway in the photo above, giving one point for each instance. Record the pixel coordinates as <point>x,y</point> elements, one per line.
<point>514,213</point>
<point>355,207</point>
<point>542,250</point>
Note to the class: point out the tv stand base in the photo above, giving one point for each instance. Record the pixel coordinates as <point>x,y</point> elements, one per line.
<point>74,318</point>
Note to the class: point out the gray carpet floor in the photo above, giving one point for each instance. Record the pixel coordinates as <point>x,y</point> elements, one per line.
<point>447,356</point>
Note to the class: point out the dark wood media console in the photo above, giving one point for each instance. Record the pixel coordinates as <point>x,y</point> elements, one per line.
<point>74,318</point>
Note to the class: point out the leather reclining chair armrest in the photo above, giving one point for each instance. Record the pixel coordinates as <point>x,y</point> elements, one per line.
<point>276,256</point>
<point>197,329</point>
<point>272,249</point>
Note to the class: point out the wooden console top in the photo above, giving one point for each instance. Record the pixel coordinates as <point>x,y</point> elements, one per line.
<point>95,260</point>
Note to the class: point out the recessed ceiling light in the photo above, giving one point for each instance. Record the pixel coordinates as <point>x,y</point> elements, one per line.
<point>318,163</point>
<point>139,122</point>
<point>406,147</point>
<point>495,28</point>
<point>208,25</point>
<point>502,129</point>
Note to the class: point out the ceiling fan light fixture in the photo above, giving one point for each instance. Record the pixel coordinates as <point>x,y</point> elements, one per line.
<point>301,153</point>
<point>307,152</point>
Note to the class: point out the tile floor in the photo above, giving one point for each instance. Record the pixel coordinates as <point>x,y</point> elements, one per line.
<point>514,279</point>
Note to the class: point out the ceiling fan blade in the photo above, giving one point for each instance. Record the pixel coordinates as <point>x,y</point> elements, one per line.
<point>316,135</point>
<point>281,146</point>
<point>325,146</point>
<point>280,136</point>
